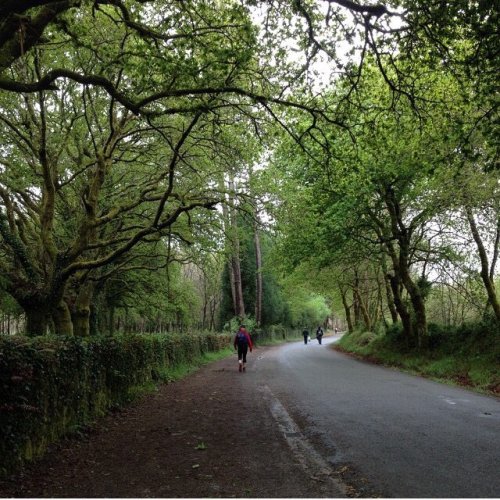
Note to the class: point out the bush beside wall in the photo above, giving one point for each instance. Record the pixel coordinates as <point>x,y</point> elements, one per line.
<point>50,386</point>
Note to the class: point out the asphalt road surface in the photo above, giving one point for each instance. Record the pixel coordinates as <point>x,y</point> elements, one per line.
<point>399,435</point>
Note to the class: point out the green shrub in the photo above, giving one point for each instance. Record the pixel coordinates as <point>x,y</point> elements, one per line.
<point>440,336</point>
<point>52,385</point>
<point>468,355</point>
<point>366,338</point>
<point>395,334</point>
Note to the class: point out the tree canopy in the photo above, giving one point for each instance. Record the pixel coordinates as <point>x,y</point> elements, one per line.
<point>143,135</point>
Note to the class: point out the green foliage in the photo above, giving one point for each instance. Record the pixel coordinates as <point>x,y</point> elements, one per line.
<point>395,334</point>
<point>148,301</point>
<point>467,355</point>
<point>276,334</point>
<point>307,308</point>
<point>234,324</point>
<point>274,304</point>
<point>51,385</point>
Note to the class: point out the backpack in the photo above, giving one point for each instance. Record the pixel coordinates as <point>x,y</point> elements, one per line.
<point>241,339</point>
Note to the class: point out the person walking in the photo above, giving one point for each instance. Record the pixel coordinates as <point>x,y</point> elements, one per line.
<point>319,334</point>
<point>242,342</point>
<point>305,333</point>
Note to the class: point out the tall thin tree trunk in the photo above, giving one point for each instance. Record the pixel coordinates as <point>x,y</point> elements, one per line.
<point>258,276</point>
<point>239,309</point>
<point>485,271</point>
<point>238,287</point>
<point>400,306</point>
<point>347,309</point>
<point>388,292</point>
<point>496,250</point>
<point>356,303</point>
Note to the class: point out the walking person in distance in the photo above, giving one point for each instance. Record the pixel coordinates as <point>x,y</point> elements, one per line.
<point>319,334</point>
<point>305,333</point>
<point>242,342</point>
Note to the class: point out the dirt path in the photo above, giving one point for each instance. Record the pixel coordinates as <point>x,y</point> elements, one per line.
<point>209,435</point>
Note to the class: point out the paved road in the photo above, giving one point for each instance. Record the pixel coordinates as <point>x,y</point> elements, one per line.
<point>400,435</point>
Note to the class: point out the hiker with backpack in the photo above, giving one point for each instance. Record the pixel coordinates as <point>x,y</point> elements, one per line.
<point>242,342</point>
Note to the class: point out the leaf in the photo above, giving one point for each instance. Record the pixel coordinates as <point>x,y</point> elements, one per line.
<point>201,446</point>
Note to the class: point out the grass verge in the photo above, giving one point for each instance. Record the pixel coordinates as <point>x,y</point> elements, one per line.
<point>474,365</point>
<point>184,369</point>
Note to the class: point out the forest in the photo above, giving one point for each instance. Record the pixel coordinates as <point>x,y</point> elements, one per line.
<point>170,169</point>
<point>177,166</point>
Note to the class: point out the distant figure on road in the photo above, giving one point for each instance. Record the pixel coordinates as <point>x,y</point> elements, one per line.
<point>336,330</point>
<point>242,342</point>
<point>319,334</point>
<point>305,333</point>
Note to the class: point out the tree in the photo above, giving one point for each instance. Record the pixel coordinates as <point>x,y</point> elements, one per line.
<point>102,85</point>
<point>108,208</point>
<point>381,192</point>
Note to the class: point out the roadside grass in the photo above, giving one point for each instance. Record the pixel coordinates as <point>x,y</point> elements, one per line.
<point>184,369</point>
<point>471,362</point>
<point>178,372</point>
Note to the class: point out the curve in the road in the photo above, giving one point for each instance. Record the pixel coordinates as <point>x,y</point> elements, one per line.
<point>405,435</point>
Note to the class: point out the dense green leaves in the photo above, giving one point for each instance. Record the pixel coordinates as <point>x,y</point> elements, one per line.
<point>127,123</point>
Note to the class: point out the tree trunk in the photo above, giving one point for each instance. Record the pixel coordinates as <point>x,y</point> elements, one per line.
<point>231,227</point>
<point>416,298</point>
<point>400,307</point>
<point>111,321</point>
<point>238,287</point>
<point>355,302</point>
<point>402,234</point>
<point>390,302</point>
<point>496,250</point>
<point>388,291</point>
<point>36,320</point>
<point>81,322</point>
<point>239,309</point>
<point>63,324</point>
<point>485,271</point>
<point>81,312</point>
<point>347,309</point>
<point>363,310</point>
<point>258,277</point>
<point>418,304</point>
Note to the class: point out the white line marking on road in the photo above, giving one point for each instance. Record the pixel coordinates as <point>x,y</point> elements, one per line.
<point>303,450</point>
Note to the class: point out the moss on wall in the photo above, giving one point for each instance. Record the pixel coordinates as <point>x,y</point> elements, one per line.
<point>50,386</point>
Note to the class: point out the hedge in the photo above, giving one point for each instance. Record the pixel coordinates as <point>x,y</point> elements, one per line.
<point>50,386</point>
